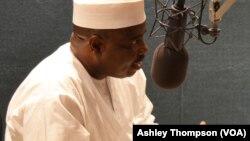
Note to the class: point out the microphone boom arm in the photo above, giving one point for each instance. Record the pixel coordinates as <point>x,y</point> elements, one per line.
<point>216,11</point>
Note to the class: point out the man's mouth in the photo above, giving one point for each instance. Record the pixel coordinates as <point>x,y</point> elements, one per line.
<point>138,65</point>
<point>139,62</point>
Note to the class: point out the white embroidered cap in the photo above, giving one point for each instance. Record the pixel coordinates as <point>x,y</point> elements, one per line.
<point>108,14</point>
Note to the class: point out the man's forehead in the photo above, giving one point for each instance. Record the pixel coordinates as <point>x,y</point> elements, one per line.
<point>131,32</point>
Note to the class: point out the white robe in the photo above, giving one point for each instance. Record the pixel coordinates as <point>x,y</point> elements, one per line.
<point>58,101</point>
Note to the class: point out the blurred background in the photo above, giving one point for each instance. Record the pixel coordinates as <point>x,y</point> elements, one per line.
<point>217,84</point>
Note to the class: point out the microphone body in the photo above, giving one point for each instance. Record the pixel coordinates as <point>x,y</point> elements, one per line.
<point>170,59</point>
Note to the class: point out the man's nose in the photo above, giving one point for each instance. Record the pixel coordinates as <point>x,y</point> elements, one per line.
<point>143,49</point>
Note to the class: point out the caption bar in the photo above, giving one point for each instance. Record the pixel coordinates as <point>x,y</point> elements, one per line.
<point>192,132</point>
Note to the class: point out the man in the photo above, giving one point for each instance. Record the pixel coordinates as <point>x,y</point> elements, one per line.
<point>91,89</point>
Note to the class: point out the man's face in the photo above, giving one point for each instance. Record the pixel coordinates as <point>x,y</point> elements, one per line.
<point>124,51</point>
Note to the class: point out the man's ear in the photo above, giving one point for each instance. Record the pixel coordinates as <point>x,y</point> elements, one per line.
<point>96,44</point>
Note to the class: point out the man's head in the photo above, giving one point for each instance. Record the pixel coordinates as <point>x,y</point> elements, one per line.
<point>110,43</point>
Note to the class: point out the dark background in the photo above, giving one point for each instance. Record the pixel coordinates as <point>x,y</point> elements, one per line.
<point>216,88</point>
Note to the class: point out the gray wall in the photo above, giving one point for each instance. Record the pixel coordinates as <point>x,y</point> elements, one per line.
<point>217,84</point>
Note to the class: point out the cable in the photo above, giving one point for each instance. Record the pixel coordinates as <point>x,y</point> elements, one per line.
<point>199,25</point>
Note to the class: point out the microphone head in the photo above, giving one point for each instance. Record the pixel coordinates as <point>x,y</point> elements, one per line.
<point>169,66</point>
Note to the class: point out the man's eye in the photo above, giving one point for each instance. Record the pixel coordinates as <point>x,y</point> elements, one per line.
<point>133,45</point>
<point>126,46</point>
<point>137,43</point>
<point>134,42</point>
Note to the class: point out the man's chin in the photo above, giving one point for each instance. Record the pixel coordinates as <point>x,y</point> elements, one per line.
<point>127,74</point>
<point>131,73</point>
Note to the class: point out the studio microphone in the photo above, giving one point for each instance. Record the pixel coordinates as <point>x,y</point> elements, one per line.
<point>170,59</point>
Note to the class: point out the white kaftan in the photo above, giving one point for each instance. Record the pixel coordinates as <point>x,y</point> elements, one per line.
<point>58,101</point>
